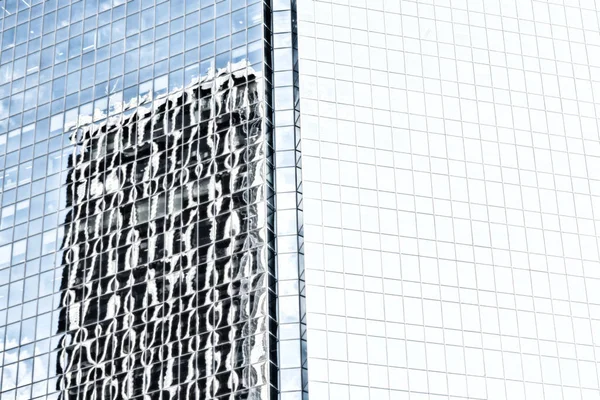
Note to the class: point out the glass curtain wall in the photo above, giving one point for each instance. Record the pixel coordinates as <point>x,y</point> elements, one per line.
<point>136,222</point>
<point>451,186</point>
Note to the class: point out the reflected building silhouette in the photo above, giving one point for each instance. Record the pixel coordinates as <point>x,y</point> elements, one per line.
<point>168,259</point>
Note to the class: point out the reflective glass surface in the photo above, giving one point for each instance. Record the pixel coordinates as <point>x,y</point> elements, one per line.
<point>451,194</point>
<point>136,221</point>
<point>291,312</point>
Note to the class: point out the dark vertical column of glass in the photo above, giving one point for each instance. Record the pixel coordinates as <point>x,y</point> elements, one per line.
<point>270,193</point>
<point>291,316</point>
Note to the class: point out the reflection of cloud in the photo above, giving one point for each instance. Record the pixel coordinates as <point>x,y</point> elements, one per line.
<point>25,352</point>
<point>11,356</point>
<point>40,367</point>
<point>9,377</point>
<point>23,394</point>
<point>25,371</point>
<point>4,108</point>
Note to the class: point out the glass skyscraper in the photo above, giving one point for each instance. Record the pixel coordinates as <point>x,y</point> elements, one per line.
<point>138,202</point>
<point>451,196</point>
<point>299,199</point>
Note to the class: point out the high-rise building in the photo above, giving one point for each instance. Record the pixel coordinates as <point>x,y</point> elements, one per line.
<point>138,247</point>
<point>299,199</point>
<point>451,196</point>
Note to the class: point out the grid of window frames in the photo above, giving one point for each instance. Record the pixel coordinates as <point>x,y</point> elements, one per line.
<point>291,315</point>
<point>451,185</point>
<point>64,65</point>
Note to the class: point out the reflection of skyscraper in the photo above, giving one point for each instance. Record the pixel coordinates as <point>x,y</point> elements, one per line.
<point>166,261</point>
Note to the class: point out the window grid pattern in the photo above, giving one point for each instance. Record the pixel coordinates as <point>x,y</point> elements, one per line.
<point>165,276</point>
<point>291,316</point>
<point>88,66</point>
<point>451,193</point>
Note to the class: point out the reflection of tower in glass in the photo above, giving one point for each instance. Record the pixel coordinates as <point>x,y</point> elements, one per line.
<point>167,246</point>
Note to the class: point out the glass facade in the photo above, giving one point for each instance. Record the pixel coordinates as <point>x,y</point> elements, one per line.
<point>451,194</point>
<point>291,316</point>
<point>137,254</point>
<point>281,199</point>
